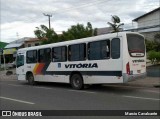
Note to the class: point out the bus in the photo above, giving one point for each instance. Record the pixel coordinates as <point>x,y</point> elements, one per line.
<point>110,58</point>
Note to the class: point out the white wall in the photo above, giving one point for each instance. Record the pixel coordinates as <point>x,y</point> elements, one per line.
<point>150,20</point>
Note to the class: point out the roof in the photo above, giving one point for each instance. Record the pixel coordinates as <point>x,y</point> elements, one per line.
<point>34,39</point>
<point>14,45</point>
<point>136,19</point>
<point>76,41</point>
<point>21,40</point>
<point>2,44</point>
<point>105,30</point>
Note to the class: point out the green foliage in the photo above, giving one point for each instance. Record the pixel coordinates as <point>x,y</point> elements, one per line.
<point>157,41</point>
<point>43,32</point>
<point>154,56</point>
<point>150,45</point>
<point>74,32</point>
<point>78,31</point>
<point>2,44</point>
<point>157,37</point>
<point>116,24</point>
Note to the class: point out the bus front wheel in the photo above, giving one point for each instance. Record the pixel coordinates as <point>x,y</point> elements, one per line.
<point>77,82</point>
<point>30,79</point>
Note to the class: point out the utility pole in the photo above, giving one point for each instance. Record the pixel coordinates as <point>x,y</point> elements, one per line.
<point>49,16</point>
<point>17,35</point>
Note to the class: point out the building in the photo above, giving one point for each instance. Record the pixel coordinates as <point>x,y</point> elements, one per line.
<point>10,49</point>
<point>105,30</point>
<point>32,42</point>
<point>2,45</point>
<point>149,23</point>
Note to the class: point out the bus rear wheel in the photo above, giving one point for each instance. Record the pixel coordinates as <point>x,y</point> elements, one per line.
<point>30,79</point>
<point>77,82</point>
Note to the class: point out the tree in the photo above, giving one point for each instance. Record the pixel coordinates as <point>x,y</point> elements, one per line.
<point>157,37</point>
<point>78,31</point>
<point>157,42</point>
<point>116,23</point>
<point>150,45</point>
<point>43,32</point>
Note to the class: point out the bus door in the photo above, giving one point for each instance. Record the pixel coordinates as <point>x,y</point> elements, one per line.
<point>20,66</point>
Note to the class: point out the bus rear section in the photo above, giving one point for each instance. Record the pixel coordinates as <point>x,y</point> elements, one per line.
<point>136,62</point>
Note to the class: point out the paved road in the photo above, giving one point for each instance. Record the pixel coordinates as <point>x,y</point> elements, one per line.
<point>16,95</point>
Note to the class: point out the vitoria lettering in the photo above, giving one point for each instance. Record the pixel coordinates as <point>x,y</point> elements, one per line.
<point>90,65</point>
<point>136,61</point>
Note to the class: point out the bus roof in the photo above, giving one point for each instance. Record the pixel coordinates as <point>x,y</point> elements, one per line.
<point>76,41</point>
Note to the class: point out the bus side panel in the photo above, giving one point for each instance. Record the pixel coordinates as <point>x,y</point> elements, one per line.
<point>52,78</point>
<point>102,79</point>
<point>21,77</point>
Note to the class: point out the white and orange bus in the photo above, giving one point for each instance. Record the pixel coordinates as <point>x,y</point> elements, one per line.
<point>110,58</point>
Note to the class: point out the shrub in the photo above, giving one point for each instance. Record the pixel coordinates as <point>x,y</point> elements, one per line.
<point>154,56</point>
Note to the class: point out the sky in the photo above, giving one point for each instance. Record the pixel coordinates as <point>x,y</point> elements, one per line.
<point>19,18</point>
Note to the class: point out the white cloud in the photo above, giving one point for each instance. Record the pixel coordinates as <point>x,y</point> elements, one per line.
<point>23,16</point>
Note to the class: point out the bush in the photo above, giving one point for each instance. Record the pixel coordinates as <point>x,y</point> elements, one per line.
<point>150,45</point>
<point>154,56</point>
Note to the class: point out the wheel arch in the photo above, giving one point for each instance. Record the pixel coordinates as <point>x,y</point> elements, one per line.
<point>75,72</point>
<point>27,73</point>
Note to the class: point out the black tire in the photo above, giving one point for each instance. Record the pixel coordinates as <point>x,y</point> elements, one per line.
<point>77,82</point>
<point>30,79</point>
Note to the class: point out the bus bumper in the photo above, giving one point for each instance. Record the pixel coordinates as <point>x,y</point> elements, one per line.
<point>128,78</point>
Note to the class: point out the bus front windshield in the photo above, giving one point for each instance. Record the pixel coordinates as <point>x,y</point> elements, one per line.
<point>136,45</point>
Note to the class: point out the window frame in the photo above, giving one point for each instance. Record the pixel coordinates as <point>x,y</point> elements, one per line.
<point>36,44</point>
<point>88,49</point>
<point>29,45</point>
<point>119,48</point>
<point>85,49</point>
<point>44,53</point>
<point>130,53</point>
<point>27,57</point>
<point>52,49</point>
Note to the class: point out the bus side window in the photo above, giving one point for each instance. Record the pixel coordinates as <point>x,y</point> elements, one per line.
<point>108,48</point>
<point>99,50</point>
<point>48,55</point>
<point>64,54</point>
<point>82,51</point>
<point>115,48</point>
<point>105,49</point>
<point>44,55</point>
<point>69,53</point>
<point>31,56</point>
<point>59,54</point>
<point>77,52</point>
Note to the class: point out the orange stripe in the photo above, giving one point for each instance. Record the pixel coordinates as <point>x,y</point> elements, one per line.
<point>35,68</point>
<point>39,68</point>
